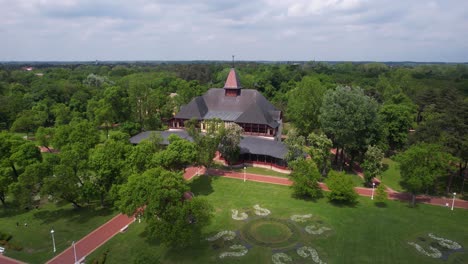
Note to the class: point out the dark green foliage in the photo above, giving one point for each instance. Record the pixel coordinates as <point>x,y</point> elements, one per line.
<point>380,194</point>
<point>305,176</point>
<point>420,165</point>
<point>171,216</point>
<point>341,188</point>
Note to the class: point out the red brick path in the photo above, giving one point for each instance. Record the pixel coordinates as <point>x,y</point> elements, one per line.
<point>93,240</point>
<point>7,260</point>
<point>360,190</point>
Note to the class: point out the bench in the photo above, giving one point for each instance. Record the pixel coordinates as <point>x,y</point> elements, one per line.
<point>123,229</point>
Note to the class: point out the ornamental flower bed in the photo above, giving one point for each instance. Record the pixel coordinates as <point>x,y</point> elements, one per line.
<point>435,246</point>
<point>280,258</point>
<point>301,218</point>
<point>261,211</point>
<point>237,251</point>
<point>236,216</point>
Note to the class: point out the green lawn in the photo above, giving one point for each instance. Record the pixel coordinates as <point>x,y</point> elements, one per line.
<point>391,176</point>
<point>357,181</point>
<point>364,233</point>
<point>263,171</point>
<point>69,225</point>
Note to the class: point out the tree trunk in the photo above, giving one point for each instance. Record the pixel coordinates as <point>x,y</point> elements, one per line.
<point>75,204</point>
<point>342,161</point>
<point>102,199</point>
<point>413,199</point>
<point>449,183</point>
<point>2,199</point>
<point>15,173</point>
<point>337,152</point>
<point>463,185</point>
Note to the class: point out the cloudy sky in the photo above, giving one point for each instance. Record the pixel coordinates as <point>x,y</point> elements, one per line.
<point>381,30</point>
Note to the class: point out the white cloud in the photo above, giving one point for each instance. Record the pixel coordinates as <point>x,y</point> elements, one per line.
<point>256,29</point>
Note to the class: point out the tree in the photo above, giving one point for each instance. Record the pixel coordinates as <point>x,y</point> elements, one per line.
<point>305,176</point>
<point>176,220</point>
<point>206,143</point>
<point>349,118</point>
<point>304,103</point>
<point>295,144</point>
<point>44,136</point>
<point>107,161</point>
<point>63,184</point>
<point>420,165</point>
<point>229,144</point>
<point>381,194</point>
<point>319,150</point>
<point>341,188</point>
<point>178,154</point>
<point>28,121</point>
<point>397,120</point>
<point>372,164</point>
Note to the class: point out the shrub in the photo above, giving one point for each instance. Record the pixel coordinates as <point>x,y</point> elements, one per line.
<point>341,188</point>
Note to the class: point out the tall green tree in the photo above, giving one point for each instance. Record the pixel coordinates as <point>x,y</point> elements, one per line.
<point>305,176</point>
<point>320,146</point>
<point>178,154</point>
<point>420,165</point>
<point>304,104</point>
<point>229,144</point>
<point>372,164</point>
<point>341,188</point>
<point>107,160</point>
<point>295,144</point>
<point>175,220</point>
<point>349,118</point>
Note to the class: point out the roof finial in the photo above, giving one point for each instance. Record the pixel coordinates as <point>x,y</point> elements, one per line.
<point>232,61</point>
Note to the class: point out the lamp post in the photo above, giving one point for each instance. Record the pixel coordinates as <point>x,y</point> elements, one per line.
<point>53,239</point>
<point>244,173</point>
<point>373,186</point>
<point>453,201</point>
<point>74,251</point>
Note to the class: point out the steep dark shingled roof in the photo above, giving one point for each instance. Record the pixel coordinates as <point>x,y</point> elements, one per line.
<point>248,107</point>
<point>248,144</point>
<point>261,146</point>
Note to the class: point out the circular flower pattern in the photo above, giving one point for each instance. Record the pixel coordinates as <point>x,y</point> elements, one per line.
<point>236,216</point>
<point>280,258</point>
<point>261,211</point>
<point>242,250</point>
<point>226,234</point>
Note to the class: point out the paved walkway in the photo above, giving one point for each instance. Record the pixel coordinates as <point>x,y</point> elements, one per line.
<point>360,190</point>
<point>93,240</point>
<point>7,260</point>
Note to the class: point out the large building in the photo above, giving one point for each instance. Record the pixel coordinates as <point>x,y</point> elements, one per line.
<point>246,107</point>
<point>261,122</point>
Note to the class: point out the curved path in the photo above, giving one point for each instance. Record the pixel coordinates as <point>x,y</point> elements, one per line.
<point>360,190</point>
<point>7,260</point>
<point>93,240</point>
<point>101,235</point>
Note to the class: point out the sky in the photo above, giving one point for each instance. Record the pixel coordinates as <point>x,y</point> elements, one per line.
<point>286,30</point>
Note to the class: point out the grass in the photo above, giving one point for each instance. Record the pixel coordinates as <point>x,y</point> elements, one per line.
<point>263,171</point>
<point>68,223</point>
<point>357,181</point>
<point>391,176</point>
<point>363,233</point>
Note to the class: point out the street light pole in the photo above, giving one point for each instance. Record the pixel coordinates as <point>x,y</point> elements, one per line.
<point>373,186</point>
<point>244,173</point>
<point>453,201</point>
<point>53,239</point>
<point>74,251</point>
